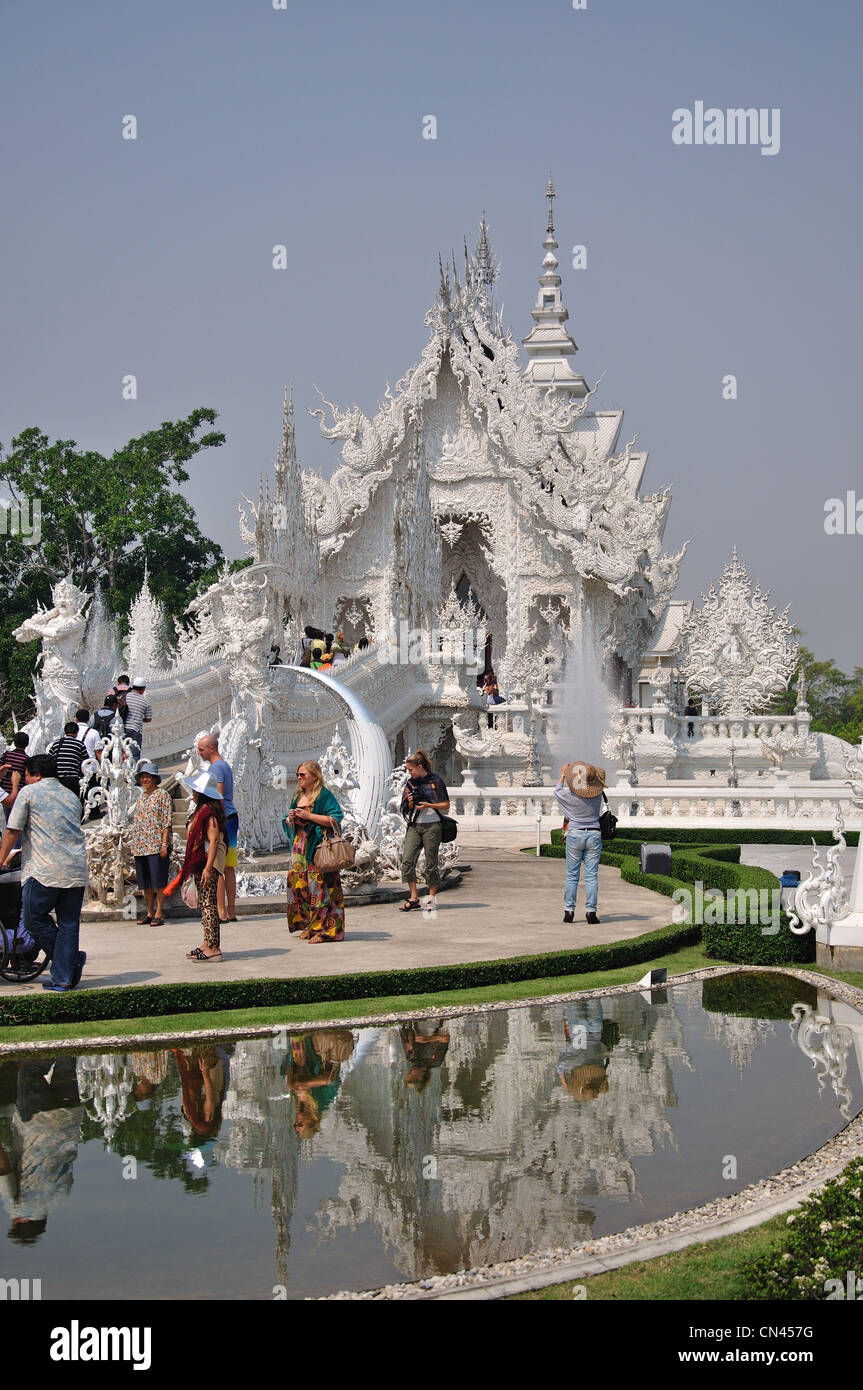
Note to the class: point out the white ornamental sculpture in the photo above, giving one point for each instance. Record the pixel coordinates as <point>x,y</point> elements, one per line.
<point>58,686</point>
<point>736,652</point>
<point>146,649</point>
<point>822,901</point>
<point>245,635</point>
<point>115,792</point>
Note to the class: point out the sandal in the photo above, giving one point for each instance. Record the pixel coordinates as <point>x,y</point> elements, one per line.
<point>412,905</point>
<point>145,921</point>
<point>198,954</point>
<point>157,921</point>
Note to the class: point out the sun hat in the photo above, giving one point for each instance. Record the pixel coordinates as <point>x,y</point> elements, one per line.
<point>150,769</point>
<point>205,784</point>
<point>138,683</point>
<point>583,779</point>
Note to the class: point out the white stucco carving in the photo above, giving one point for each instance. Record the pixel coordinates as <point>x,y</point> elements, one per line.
<point>736,651</point>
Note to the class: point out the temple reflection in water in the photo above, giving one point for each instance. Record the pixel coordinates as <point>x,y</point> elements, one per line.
<point>437,1145</point>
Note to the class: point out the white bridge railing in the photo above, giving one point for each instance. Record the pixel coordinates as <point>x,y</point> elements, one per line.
<point>804,807</point>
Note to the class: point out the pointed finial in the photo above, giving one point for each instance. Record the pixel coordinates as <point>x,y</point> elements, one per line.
<point>550,195</point>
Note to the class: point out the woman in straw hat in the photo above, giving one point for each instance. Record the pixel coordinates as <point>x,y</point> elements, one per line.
<point>204,860</point>
<point>579,792</point>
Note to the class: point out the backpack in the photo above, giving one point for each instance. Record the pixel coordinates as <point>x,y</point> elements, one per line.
<point>102,724</point>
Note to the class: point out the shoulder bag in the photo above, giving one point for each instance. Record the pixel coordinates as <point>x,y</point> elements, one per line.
<point>334,853</point>
<point>607,822</point>
<point>448,827</point>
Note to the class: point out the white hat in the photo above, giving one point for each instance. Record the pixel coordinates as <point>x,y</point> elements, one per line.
<point>205,784</point>
<point>138,681</point>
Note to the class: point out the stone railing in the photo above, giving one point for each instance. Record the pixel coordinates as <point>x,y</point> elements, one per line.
<point>809,807</point>
<point>712,726</point>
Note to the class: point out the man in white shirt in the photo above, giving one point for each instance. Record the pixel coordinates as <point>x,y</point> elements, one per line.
<point>89,736</point>
<point>53,868</point>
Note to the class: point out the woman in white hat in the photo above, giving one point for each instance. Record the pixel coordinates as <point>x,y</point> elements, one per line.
<point>150,842</point>
<point>206,848</point>
<point>579,792</point>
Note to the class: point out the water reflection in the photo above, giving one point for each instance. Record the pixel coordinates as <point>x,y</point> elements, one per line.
<point>404,1151</point>
<point>39,1148</point>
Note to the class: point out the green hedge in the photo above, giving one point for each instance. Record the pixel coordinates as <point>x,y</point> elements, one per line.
<point>756,996</point>
<point>724,835</point>
<point>824,1241</point>
<point>140,1001</point>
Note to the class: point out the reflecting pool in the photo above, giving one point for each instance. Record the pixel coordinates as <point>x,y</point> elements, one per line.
<point>303,1163</point>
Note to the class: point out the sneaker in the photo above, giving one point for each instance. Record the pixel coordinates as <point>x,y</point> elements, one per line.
<point>82,961</point>
<point>56,989</point>
<point>569,916</point>
<point>592,919</point>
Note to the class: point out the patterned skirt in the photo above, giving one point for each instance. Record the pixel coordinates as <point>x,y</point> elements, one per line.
<point>316,904</point>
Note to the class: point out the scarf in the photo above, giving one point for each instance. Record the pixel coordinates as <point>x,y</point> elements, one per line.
<point>195,857</point>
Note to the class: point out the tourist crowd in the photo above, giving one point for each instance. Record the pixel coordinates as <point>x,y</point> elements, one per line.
<point>42,794</point>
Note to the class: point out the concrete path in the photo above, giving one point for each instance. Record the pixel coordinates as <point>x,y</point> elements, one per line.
<point>510,904</point>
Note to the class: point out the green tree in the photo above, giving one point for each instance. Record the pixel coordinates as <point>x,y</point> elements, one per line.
<point>834,699</point>
<point>102,520</point>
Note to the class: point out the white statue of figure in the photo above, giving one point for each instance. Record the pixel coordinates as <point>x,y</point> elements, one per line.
<point>246,636</point>
<point>58,685</point>
<point>245,632</point>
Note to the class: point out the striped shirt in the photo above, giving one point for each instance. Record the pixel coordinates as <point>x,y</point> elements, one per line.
<point>70,754</point>
<point>14,758</point>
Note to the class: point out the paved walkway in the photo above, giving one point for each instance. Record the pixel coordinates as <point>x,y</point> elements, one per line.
<point>510,904</point>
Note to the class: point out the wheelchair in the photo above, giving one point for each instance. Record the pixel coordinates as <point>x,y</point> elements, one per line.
<point>16,964</point>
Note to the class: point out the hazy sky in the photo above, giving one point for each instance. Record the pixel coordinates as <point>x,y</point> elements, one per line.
<point>303,126</point>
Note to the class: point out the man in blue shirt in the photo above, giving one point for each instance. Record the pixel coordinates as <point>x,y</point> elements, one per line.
<point>208,752</point>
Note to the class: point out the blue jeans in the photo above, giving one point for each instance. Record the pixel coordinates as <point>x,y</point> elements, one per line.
<point>57,939</point>
<point>582,845</point>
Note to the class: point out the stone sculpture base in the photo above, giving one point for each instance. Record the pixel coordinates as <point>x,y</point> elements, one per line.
<point>840,947</point>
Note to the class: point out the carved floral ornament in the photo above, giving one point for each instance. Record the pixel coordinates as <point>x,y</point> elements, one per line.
<point>736,652</point>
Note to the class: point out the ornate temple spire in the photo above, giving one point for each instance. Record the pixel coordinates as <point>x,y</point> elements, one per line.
<point>485,266</point>
<point>548,344</point>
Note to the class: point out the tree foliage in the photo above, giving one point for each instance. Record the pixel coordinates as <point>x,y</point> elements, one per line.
<point>103,519</point>
<point>835,699</point>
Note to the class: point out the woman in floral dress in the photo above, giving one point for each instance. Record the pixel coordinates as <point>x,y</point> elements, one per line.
<point>316,905</point>
<point>150,843</point>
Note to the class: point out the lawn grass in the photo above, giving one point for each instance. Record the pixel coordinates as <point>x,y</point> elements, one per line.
<point>709,1271</point>
<point>677,963</point>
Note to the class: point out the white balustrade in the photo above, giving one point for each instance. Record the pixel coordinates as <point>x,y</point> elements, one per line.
<point>746,807</point>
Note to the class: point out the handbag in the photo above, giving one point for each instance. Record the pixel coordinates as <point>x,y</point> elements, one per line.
<point>448,828</point>
<point>188,892</point>
<point>334,853</point>
<point>607,822</point>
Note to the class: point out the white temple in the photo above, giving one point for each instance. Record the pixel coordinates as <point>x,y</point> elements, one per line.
<point>486,516</point>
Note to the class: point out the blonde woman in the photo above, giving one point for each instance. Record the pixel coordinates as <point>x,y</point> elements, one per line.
<point>316,905</point>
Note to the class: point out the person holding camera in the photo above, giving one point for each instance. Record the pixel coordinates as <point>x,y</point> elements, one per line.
<point>423,799</point>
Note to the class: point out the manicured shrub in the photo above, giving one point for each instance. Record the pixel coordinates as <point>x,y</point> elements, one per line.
<point>747,944</point>
<point>722,835</point>
<point>141,1001</point>
<point>824,1241</point>
<point>756,996</point>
